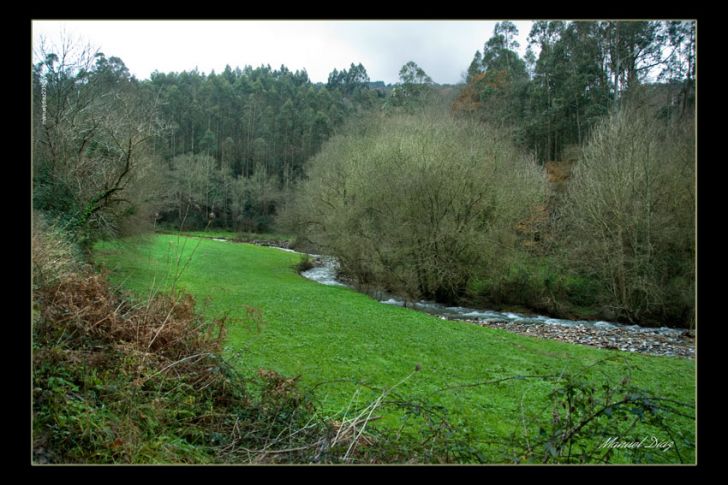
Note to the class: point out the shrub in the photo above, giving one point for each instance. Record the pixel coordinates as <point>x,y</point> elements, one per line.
<point>630,215</point>
<point>53,254</point>
<point>608,422</point>
<point>304,264</point>
<point>417,205</point>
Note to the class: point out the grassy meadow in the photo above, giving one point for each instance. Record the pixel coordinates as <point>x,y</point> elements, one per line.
<point>348,348</point>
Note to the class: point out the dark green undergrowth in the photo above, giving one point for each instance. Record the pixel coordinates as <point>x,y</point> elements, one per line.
<point>546,284</point>
<point>540,284</point>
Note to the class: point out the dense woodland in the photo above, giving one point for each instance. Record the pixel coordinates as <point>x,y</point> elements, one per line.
<point>563,181</point>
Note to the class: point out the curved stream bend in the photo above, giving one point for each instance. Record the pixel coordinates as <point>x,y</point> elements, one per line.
<point>610,335</point>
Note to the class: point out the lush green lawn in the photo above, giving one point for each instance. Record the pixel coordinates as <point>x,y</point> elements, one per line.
<point>336,334</point>
<point>244,236</point>
<point>210,233</point>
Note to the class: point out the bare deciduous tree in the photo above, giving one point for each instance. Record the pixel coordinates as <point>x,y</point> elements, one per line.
<point>91,142</point>
<point>630,207</point>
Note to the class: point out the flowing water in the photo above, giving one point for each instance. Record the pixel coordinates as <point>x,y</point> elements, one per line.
<point>326,274</point>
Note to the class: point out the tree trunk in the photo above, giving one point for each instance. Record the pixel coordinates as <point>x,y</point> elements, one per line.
<point>621,270</point>
<point>578,122</point>
<point>616,63</point>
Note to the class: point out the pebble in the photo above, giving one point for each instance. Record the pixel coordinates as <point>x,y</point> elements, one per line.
<point>681,345</point>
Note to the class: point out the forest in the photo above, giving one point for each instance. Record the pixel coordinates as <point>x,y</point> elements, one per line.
<point>561,182</point>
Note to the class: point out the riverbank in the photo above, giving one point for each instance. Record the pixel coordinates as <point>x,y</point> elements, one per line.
<point>641,340</point>
<point>663,341</point>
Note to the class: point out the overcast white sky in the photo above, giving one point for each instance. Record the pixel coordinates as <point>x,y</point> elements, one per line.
<point>443,49</point>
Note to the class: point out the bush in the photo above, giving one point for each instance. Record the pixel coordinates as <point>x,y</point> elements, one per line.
<point>608,422</point>
<point>304,264</point>
<point>116,381</point>
<point>53,254</point>
<point>629,215</point>
<point>580,290</point>
<point>417,205</point>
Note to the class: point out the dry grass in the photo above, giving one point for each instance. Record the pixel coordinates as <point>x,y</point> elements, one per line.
<point>558,172</point>
<point>85,306</point>
<point>52,254</point>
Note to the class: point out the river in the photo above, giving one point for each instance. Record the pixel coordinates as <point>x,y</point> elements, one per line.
<point>599,333</point>
<point>610,335</point>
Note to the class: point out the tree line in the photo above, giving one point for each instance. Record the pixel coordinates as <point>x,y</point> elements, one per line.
<point>584,70</point>
<point>425,191</point>
<point>112,153</point>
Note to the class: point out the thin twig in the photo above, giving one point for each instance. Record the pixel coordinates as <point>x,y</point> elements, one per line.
<point>176,363</point>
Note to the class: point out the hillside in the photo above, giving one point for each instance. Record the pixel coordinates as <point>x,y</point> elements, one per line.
<point>348,347</point>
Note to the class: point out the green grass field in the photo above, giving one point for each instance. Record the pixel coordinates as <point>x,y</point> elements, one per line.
<point>335,338</point>
<point>231,235</point>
